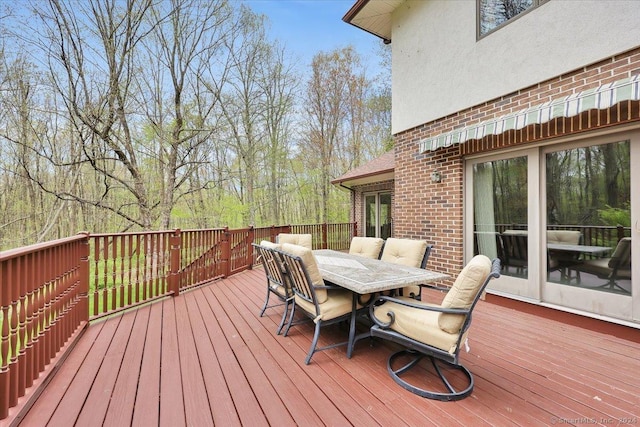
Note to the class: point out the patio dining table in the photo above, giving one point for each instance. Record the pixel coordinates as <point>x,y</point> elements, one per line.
<point>364,276</point>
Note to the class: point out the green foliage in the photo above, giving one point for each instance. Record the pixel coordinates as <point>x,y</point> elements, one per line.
<point>615,216</point>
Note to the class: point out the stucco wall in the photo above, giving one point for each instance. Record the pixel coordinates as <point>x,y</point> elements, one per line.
<point>439,67</point>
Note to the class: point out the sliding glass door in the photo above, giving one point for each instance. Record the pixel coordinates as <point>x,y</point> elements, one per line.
<point>563,219</point>
<point>377,213</point>
<point>500,213</point>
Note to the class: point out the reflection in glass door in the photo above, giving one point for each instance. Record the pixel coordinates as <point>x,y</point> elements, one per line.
<point>501,217</point>
<point>377,213</point>
<point>589,217</point>
<point>500,213</point>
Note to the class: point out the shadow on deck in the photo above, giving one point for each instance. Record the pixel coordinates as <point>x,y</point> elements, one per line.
<point>206,358</point>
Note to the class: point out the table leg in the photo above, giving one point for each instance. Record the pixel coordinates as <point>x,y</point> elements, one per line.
<point>352,325</point>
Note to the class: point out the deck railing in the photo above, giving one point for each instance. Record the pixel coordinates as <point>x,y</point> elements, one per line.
<point>49,291</point>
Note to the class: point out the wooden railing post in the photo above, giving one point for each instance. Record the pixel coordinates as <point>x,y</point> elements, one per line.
<point>175,253</point>
<point>325,239</point>
<point>225,252</point>
<point>84,277</point>
<point>620,230</point>
<point>355,230</point>
<point>250,238</point>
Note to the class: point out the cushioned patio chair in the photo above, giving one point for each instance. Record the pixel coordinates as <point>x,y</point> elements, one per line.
<point>368,247</point>
<point>413,253</point>
<point>305,240</point>
<point>323,304</point>
<point>277,283</point>
<point>563,261</point>
<point>515,244</point>
<point>618,266</point>
<point>436,332</point>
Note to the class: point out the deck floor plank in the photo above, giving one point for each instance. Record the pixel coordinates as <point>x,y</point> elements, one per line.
<point>172,412</point>
<point>147,399</point>
<point>99,397</point>
<point>206,357</point>
<point>121,404</point>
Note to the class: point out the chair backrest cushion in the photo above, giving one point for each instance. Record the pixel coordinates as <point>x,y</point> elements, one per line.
<point>621,256</point>
<point>311,265</point>
<point>463,292</point>
<point>568,237</point>
<point>296,239</point>
<point>269,245</point>
<point>404,251</point>
<point>368,247</point>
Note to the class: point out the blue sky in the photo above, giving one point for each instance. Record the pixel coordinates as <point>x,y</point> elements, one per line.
<point>309,26</point>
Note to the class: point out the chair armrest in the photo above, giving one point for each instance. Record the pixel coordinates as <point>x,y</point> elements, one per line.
<point>413,304</point>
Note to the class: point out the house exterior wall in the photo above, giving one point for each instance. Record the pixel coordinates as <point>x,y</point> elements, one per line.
<point>358,201</point>
<point>439,68</point>
<point>434,211</point>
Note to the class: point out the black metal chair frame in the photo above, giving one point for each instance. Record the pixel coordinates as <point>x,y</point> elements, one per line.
<point>275,273</point>
<point>301,285</point>
<point>417,350</point>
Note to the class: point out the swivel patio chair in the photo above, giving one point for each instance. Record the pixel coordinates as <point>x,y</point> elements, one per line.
<point>305,240</point>
<point>368,247</point>
<point>413,253</point>
<point>618,266</point>
<point>323,304</point>
<point>277,283</point>
<point>436,332</point>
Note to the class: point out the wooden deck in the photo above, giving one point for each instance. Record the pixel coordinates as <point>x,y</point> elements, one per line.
<point>206,358</point>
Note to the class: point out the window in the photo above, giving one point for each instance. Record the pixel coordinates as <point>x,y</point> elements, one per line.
<point>493,14</point>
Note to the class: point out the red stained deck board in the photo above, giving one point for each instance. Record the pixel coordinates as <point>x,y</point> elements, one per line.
<point>209,347</point>
<point>147,399</point>
<point>172,413</point>
<point>121,404</point>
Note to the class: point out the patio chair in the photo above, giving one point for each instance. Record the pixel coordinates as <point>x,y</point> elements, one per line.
<point>618,266</point>
<point>516,252</point>
<point>305,240</point>
<point>323,304</point>
<point>277,283</point>
<point>368,247</point>
<point>563,260</point>
<point>437,332</point>
<point>413,253</point>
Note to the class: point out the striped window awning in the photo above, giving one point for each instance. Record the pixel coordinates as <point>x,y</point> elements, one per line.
<point>599,98</point>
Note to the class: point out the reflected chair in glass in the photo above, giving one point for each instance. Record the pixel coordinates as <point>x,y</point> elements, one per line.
<point>305,240</point>
<point>435,332</point>
<point>324,304</point>
<point>277,283</point>
<point>369,247</point>
<point>413,253</point>
<point>515,248</point>
<point>563,261</point>
<point>612,269</point>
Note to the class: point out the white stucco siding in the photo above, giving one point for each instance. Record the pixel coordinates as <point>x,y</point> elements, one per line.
<point>439,67</point>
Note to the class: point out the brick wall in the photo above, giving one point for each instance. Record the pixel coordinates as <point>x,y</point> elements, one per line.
<point>434,211</point>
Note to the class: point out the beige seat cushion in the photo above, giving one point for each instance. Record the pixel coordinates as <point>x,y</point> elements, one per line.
<point>337,303</point>
<point>404,251</point>
<point>368,247</point>
<point>296,239</point>
<point>311,265</point>
<point>420,325</point>
<point>463,292</point>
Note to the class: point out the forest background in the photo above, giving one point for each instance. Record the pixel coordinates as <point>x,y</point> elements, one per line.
<point>151,115</point>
